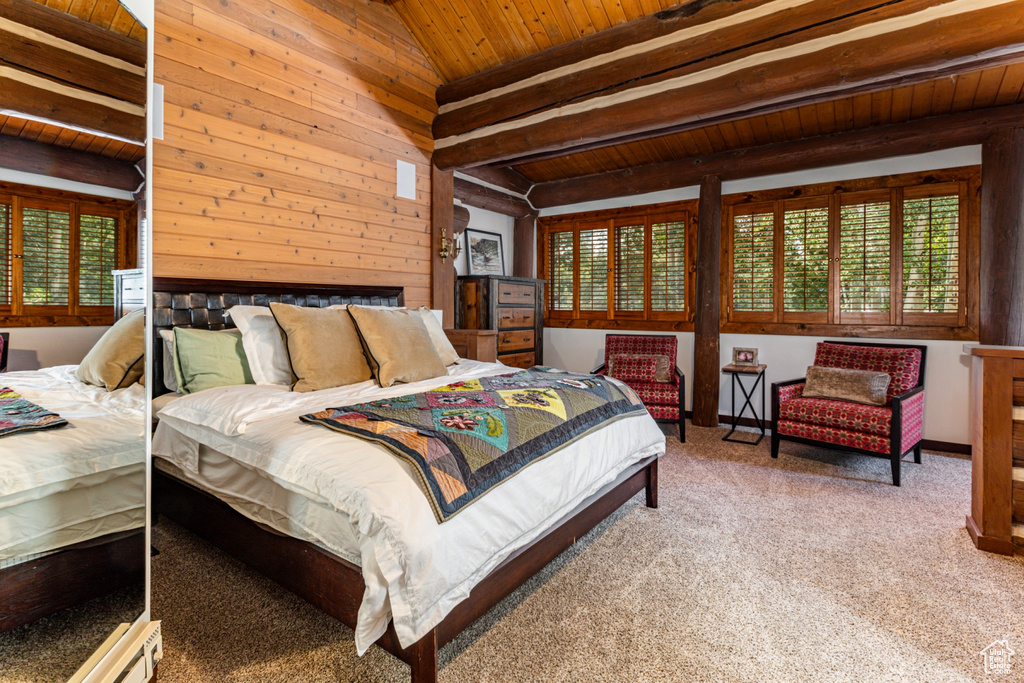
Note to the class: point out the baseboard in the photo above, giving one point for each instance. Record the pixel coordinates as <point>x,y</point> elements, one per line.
<point>926,444</point>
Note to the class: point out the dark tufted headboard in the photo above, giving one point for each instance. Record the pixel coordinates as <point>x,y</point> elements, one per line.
<point>202,303</point>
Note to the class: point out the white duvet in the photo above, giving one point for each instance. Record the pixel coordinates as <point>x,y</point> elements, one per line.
<point>58,486</point>
<point>415,569</point>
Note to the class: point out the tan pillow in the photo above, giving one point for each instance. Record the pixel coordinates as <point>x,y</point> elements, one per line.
<point>398,344</point>
<point>662,373</point>
<point>860,386</point>
<point>323,347</point>
<point>119,358</point>
<point>440,340</point>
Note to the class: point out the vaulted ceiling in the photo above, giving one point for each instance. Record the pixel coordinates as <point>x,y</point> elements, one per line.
<point>478,47</point>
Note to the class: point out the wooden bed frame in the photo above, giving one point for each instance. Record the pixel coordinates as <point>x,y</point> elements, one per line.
<point>329,582</point>
<point>37,588</point>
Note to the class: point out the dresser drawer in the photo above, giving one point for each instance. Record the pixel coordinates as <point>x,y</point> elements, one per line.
<point>515,317</point>
<point>517,360</point>
<point>509,293</point>
<point>518,340</point>
<point>133,289</point>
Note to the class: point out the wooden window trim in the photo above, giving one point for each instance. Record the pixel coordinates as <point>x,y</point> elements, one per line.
<point>895,324</point>
<point>611,319</point>
<point>17,313</point>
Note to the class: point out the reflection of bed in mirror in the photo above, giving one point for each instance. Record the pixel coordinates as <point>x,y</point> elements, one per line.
<point>72,498</point>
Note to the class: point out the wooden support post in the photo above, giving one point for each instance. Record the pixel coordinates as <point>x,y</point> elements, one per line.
<point>706,323</point>
<point>442,218</point>
<point>524,243</point>
<point>1002,238</point>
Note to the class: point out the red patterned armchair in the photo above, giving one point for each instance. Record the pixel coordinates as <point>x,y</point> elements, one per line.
<point>891,430</point>
<point>647,363</point>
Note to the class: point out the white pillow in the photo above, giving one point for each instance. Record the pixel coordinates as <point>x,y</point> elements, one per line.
<point>439,339</point>
<point>264,344</point>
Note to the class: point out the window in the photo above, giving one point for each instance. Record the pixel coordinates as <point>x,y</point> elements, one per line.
<point>57,251</point>
<point>628,269</point>
<point>879,253</point>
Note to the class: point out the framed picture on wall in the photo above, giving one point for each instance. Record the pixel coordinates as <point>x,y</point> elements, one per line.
<point>484,253</point>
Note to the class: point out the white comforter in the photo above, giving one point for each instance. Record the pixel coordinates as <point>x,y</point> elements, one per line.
<point>68,484</point>
<point>415,569</point>
<point>106,431</point>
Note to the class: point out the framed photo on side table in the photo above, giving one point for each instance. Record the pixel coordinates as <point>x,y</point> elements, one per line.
<point>744,356</point>
<point>484,253</point>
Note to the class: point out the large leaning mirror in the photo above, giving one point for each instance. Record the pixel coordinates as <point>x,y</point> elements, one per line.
<point>73,550</point>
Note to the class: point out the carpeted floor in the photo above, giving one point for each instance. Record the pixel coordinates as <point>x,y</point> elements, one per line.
<point>812,567</point>
<point>50,650</point>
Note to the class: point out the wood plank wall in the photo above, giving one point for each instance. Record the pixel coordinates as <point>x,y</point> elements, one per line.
<point>283,121</point>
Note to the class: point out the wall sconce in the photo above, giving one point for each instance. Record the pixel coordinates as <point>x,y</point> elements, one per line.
<point>450,246</point>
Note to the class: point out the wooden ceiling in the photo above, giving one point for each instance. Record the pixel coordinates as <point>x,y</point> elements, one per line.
<point>465,37</point>
<point>995,86</point>
<point>67,138</point>
<point>107,14</point>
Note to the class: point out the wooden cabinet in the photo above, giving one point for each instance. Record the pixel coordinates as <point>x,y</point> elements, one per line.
<point>996,522</point>
<point>513,306</point>
<point>129,291</point>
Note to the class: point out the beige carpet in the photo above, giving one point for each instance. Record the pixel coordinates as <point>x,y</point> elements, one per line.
<point>812,567</point>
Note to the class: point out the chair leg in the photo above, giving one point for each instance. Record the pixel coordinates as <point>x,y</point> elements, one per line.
<point>917,453</point>
<point>896,469</point>
<point>775,444</point>
<point>682,427</point>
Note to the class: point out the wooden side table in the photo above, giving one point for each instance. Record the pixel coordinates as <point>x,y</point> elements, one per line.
<point>757,372</point>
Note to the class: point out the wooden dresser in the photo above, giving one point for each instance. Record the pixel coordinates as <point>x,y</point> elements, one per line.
<point>511,305</point>
<point>996,522</point>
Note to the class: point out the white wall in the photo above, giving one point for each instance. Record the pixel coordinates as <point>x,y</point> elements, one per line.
<point>32,348</point>
<point>947,376</point>
<point>488,221</point>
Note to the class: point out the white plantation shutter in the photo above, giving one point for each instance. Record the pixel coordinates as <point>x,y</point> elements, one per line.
<point>864,273</point>
<point>931,254</point>
<point>629,268</point>
<point>46,256</point>
<point>593,259</point>
<point>805,258</point>
<point>753,260</point>
<point>668,267</point>
<point>562,262</point>
<point>97,241</point>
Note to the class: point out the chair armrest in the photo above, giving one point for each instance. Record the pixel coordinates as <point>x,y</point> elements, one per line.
<point>779,389</point>
<point>908,394</point>
<point>907,419</point>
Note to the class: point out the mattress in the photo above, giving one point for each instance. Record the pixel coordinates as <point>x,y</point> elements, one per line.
<point>63,486</point>
<point>415,570</point>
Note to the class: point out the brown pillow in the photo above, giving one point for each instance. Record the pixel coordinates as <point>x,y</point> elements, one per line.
<point>859,386</point>
<point>662,373</point>
<point>398,344</point>
<point>119,358</point>
<point>323,347</point>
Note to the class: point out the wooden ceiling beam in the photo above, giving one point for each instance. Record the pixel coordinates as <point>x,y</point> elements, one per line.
<point>460,218</point>
<point>482,197</point>
<point>75,67</point>
<point>913,137</point>
<point>502,176</point>
<point>664,45</point>
<point>912,40</point>
<point>69,164</point>
<point>74,30</point>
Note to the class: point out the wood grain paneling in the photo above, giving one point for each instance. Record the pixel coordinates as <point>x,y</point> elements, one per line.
<point>283,122</point>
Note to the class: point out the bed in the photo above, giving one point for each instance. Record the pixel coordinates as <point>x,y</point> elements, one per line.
<point>72,499</point>
<point>342,523</point>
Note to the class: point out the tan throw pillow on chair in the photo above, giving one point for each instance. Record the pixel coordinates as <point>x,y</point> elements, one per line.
<point>398,344</point>
<point>859,386</point>
<point>323,347</point>
<point>119,358</point>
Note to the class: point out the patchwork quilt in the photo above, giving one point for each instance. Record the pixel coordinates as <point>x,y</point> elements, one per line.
<point>21,415</point>
<point>465,438</point>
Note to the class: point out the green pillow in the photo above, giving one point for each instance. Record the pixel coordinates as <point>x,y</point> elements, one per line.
<point>208,358</point>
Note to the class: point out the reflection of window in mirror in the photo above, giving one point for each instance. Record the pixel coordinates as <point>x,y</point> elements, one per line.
<point>72,461</point>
